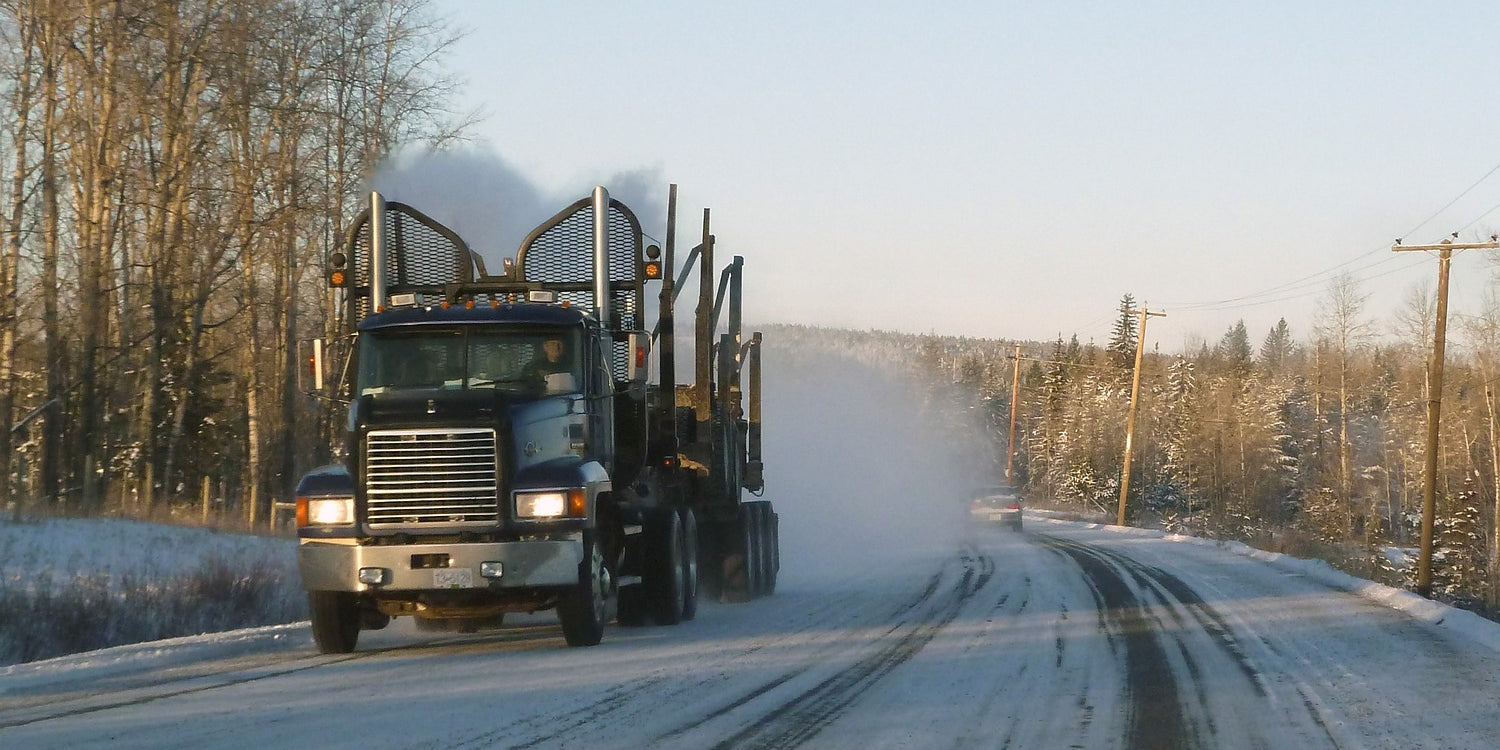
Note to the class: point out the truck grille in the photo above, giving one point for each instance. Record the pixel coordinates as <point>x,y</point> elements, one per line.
<point>431,478</point>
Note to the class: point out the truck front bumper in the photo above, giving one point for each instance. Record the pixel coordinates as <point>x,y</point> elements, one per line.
<point>429,567</point>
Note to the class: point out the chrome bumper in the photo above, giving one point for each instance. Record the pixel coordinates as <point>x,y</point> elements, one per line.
<point>335,567</point>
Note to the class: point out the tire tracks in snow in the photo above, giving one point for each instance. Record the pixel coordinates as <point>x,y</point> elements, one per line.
<point>166,688</point>
<point>1151,614</point>
<point>190,679</point>
<point>572,724</point>
<point>1155,717</point>
<point>786,707</point>
<point>800,717</point>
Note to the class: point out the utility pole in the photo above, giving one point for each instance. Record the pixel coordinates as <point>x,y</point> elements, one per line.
<point>1135,389</point>
<point>1010,445</point>
<point>1435,396</point>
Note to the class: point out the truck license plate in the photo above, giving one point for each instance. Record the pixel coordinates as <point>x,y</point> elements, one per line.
<point>453,578</point>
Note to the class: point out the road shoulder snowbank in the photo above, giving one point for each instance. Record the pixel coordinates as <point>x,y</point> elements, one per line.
<point>1458,621</point>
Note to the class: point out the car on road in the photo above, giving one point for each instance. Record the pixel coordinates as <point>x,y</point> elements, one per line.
<point>997,505</point>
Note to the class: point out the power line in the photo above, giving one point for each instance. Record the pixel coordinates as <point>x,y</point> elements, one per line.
<point>1449,204</point>
<point>1302,292</point>
<point>1313,283</point>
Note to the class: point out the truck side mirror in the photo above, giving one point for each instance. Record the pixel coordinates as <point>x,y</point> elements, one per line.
<point>310,376</point>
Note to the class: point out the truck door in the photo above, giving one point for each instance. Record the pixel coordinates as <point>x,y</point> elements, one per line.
<point>601,402</point>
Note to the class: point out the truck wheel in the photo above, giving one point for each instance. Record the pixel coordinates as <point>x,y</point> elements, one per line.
<point>335,620</point>
<point>665,566</point>
<point>582,610</point>
<point>771,537</point>
<point>750,531</point>
<point>766,546</point>
<point>689,564</point>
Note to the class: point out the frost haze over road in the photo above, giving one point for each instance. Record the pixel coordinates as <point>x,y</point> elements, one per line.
<point>897,623</point>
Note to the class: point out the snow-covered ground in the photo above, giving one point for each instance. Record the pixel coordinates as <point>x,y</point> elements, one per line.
<point>1066,635</point>
<point>51,552</point>
<point>897,623</point>
<point>88,583</point>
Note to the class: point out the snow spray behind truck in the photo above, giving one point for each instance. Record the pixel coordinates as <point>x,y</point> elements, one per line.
<point>505,449</point>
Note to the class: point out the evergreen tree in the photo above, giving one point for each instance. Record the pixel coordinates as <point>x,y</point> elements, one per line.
<point>1122,340</point>
<point>1277,347</point>
<point>1171,497</point>
<point>1458,557</point>
<point>1234,350</point>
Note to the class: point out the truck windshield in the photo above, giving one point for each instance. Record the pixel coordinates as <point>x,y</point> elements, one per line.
<point>529,362</point>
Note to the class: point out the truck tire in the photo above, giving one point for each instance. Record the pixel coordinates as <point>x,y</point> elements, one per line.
<point>689,564</point>
<point>771,538</point>
<point>766,547</point>
<point>754,549</point>
<point>583,610</point>
<point>335,620</point>
<point>665,566</point>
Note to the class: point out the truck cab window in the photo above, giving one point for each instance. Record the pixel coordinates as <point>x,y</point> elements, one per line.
<point>526,362</point>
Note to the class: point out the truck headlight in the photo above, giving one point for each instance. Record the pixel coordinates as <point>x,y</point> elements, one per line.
<point>552,504</point>
<point>325,511</point>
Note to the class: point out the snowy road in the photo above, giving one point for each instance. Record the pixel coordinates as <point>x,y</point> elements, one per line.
<point>1063,636</point>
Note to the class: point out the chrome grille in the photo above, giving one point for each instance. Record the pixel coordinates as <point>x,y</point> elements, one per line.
<point>431,478</point>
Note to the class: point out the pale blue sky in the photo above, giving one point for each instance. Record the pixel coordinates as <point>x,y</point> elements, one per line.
<point>1010,170</point>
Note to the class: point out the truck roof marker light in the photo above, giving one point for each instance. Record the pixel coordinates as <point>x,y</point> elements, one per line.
<point>469,304</point>
<point>494,301</point>
<point>444,304</point>
<point>338,263</point>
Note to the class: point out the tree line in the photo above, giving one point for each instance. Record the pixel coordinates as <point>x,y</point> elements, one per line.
<point>1310,444</point>
<point>175,174</point>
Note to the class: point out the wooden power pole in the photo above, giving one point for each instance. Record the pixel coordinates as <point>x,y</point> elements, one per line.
<point>1135,389</point>
<point>1010,445</point>
<point>1435,397</point>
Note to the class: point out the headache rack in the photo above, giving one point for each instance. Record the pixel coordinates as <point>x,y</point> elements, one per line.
<point>394,249</point>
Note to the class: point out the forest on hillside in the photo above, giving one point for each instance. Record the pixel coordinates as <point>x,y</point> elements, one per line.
<point>1307,442</point>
